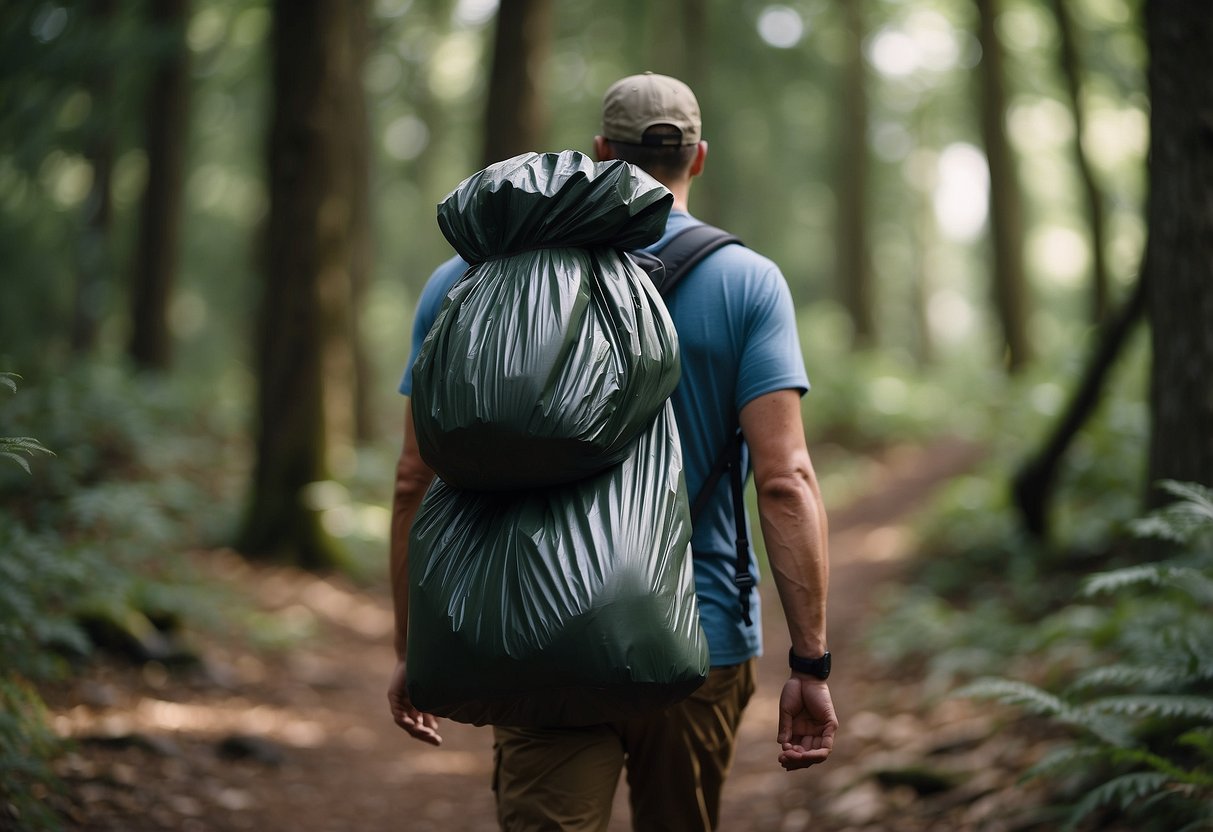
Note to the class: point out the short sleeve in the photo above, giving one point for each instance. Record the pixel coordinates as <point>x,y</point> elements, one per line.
<point>428,307</point>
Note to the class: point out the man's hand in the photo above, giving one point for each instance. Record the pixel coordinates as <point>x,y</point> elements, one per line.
<point>806,722</point>
<point>420,726</point>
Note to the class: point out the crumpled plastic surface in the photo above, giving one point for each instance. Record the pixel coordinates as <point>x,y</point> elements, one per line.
<point>563,606</point>
<point>554,351</point>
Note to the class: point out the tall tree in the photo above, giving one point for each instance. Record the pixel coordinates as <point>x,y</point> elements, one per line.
<point>516,114</point>
<point>307,262</point>
<point>361,242</point>
<point>1006,199</point>
<point>167,123</point>
<point>1179,257</point>
<point>1071,70</point>
<point>94,263</point>
<point>854,265</point>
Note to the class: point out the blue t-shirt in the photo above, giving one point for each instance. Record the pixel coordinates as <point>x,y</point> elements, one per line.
<point>737,340</point>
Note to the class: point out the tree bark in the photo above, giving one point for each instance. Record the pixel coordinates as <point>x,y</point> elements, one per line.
<point>516,112</point>
<point>361,238</point>
<point>1179,34</point>
<point>167,126</point>
<point>1071,70</point>
<point>1006,210</point>
<point>306,299</point>
<point>854,265</point>
<point>94,266</point>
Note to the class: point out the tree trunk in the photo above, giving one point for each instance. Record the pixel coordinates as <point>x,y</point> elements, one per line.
<point>1006,211</point>
<point>306,300</point>
<point>94,265</point>
<point>516,112</point>
<point>361,241</point>
<point>692,19</point>
<point>1071,70</point>
<point>156,261</point>
<point>1179,34</point>
<point>926,245</point>
<point>854,264</point>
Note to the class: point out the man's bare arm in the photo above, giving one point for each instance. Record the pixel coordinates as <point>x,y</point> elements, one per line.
<point>794,529</point>
<point>413,477</point>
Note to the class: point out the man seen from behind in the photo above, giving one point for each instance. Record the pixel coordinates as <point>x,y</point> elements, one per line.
<point>741,364</point>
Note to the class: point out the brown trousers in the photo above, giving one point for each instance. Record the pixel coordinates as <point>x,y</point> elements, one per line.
<point>563,779</point>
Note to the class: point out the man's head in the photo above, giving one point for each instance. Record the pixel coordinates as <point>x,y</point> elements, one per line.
<point>653,121</point>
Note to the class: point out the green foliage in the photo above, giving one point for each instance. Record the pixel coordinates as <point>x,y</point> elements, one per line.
<point>1140,704</point>
<point>884,396</point>
<point>17,448</point>
<point>94,542</point>
<point>26,746</point>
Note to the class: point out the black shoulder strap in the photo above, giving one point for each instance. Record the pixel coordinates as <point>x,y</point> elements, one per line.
<point>682,253</point>
<point>687,248</point>
<point>729,461</point>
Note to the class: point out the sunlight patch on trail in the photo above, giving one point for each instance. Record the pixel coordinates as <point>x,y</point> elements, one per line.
<point>233,716</point>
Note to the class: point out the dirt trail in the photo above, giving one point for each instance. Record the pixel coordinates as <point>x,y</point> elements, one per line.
<point>303,741</point>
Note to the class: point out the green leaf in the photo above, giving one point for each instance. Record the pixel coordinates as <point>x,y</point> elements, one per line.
<point>1123,790</point>
<point>1159,705</point>
<point>20,460</point>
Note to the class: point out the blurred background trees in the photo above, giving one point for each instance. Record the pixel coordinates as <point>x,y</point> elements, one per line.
<point>216,217</point>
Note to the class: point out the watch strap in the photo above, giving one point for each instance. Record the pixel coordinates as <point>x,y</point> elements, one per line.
<point>819,667</point>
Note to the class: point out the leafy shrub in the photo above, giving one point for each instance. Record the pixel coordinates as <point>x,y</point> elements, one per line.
<point>26,743</point>
<point>1140,709</point>
<point>26,746</point>
<point>17,448</point>
<point>94,544</point>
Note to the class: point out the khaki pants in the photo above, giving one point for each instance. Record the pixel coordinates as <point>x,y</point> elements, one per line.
<point>549,779</point>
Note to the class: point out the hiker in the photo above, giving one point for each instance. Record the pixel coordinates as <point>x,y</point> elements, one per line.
<point>741,363</point>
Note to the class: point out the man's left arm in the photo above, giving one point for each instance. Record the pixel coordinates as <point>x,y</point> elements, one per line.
<point>413,477</point>
<point>794,529</point>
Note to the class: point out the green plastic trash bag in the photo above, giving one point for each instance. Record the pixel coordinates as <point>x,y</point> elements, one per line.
<point>565,606</point>
<point>554,352</point>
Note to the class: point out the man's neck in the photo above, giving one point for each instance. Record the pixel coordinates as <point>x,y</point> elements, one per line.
<point>681,192</point>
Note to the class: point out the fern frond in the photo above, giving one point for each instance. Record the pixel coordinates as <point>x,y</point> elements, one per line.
<point>1199,738</point>
<point>1029,697</point>
<point>1158,705</point>
<point>1193,494</point>
<point>20,460</point>
<point>23,444</point>
<point>1193,582</point>
<point>1131,677</point>
<point>1138,757</point>
<point>1068,759</point>
<point>12,447</point>
<point>1123,791</point>
<point>1181,520</point>
<point>1042,703</point>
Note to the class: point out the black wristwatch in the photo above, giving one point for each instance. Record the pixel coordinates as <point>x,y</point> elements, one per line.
<point>813,667</point>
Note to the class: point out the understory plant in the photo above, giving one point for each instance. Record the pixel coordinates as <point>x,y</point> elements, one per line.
<point>26,742</point>
<point>1137,714</point>
<point>92,545</point>
<point>17,448</point>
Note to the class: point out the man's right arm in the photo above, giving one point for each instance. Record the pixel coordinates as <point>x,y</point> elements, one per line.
<point>794,530</point>
<point>413,477</point>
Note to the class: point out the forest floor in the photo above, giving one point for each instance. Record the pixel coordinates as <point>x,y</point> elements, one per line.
<point>300,738</point>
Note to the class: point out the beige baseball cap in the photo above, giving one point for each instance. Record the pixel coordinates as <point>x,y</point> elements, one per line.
<point>638,102</point>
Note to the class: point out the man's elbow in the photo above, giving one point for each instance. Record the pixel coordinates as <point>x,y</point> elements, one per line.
<point>791,486</point>
<point>413,478</point>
